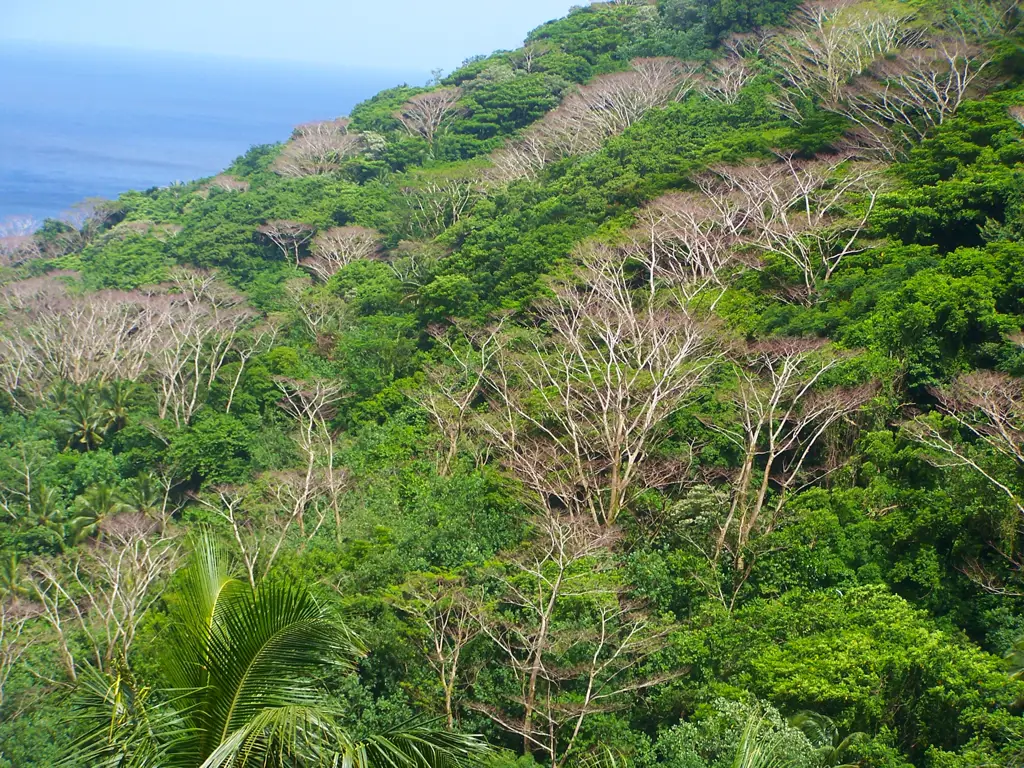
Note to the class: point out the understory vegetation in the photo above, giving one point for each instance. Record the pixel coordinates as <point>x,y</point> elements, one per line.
<point>650,395</point>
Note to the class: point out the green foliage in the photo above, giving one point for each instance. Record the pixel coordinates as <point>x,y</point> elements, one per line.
<point>125,262</point>
<point>241,664</point>
<point>521,232</point>
<point>874,616</point>
<point>733,734</point>
<point>216,449</point>
<point>867,659</point>
<point>718,18</point>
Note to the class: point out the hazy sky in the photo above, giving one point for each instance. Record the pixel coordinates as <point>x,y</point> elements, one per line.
<point>393,34</point>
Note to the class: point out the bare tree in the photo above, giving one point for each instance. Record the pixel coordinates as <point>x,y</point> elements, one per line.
<point>833,41</point>
<point>18,494</point>
<point>98,597</point>
<point>289,236</point>
<point>229,503</point>
<point>14,641</point>
<point>610,104</point>
<point>918,88</point>
<point>656,81</point>
<point>801,209</point>
<point>262,521</point>
<point>783,410</point>
<point>91,216</point>
<point>989,408</point>
<point>181,339</point>
<point>522,159</point>
<point>61,612</point>
<point>438,203</point>
<point>200,335</point>
<point>50,334</point>
<point>229,183</point>
<point>454,384</point>
<point>313,405</point>
<point>121,577</point>
<point>441,607</point>
<point>986,438</point>
<point>261,518</point>
<point>18,226</point>
<point>340,246</point>
<point>605,107</point>
<point>871,66</point>
<point>246,346</point>
<point>292,495</point>
<point>689,241</point>
<point>427,113</point>
<point>319,311</point>
<point>986,19</point>
<point>318,148</point>
<point>754,43</point>
<point>528,57</point>
<point>726,79</point>
<point>16,251</point>
<point>565,674</point>
<point>18,243</point>
<point>577,416</point>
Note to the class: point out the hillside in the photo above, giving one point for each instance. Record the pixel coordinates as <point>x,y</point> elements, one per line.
<point>649,395</point>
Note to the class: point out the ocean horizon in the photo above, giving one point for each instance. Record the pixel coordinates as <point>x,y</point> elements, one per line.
<point>82,122</point>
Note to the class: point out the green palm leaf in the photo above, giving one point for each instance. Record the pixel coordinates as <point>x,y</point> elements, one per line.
<point>97,504</point>
<point>246,665</point>
<point>124,725</point>
<point>418,744</point>
<point>266,652</point>
<point>759,746</point>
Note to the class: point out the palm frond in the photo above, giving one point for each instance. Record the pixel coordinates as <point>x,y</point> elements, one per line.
<point>276,734</point>
<point>267,652</point>
<point>418,744</point>
<point>819,729</point>
<point>206,595</point>
<point>124,726</point>
<point>759,746</point>
<point>248,665</point>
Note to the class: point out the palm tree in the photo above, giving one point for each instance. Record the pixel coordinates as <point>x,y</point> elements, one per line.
<point>823,733</point>
<point>42,508</point>
<point>760,745</point>
<point>84,420</point>
<point>60,392</point>
<point>241,666</point>
<point>98,503</point>
<point>117,398</point>
<point>11,581</point>
<point>146,495</point>
<point>43,512</point>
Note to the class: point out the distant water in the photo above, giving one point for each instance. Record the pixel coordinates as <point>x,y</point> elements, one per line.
<point>88,123</point>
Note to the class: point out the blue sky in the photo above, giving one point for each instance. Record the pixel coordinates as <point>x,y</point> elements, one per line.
<point>405,35</point>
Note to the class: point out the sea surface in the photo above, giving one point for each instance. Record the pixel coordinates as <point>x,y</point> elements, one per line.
<point>92,123</point>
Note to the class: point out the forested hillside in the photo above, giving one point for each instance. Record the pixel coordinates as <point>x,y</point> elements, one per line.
<point>650,395</point>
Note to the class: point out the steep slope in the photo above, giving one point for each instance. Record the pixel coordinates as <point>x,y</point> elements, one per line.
<point>649,393</point>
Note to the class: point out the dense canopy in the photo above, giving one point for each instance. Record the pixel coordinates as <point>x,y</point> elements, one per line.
<point>652,394</point>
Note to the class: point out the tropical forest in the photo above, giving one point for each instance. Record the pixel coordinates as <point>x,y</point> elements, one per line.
<point>651,395</point>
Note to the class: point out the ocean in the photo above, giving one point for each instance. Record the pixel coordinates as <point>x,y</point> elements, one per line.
<point>94,123</point>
